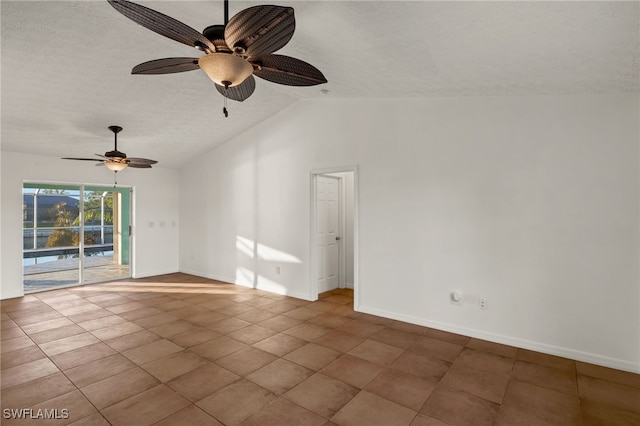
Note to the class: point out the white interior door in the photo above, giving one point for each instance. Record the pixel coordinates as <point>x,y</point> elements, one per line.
<point>327,232</point>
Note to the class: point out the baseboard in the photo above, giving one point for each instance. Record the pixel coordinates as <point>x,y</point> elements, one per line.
<point>247,284</point>
<point>154,273</point>
<point>591,358</point>
<point>11,295</point>
<point>349,286</point>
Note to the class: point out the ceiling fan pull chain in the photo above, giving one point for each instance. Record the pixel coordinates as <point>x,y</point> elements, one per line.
<point>224,108</point>
<point>115,179</point>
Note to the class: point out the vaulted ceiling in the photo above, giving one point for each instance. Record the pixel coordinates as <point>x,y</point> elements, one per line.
<point>66,65</point>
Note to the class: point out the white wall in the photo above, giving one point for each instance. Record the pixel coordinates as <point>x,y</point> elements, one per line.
<point>529,202</point>
<point>155,199</point>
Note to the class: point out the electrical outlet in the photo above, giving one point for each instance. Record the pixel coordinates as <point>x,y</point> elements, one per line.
<point>483,303</point>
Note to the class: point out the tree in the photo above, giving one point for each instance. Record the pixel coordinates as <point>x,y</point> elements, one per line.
<point>62,236</point>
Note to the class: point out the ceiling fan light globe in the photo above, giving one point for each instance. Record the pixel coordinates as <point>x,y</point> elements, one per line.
<point>115,166</point>
<point>224,68</point>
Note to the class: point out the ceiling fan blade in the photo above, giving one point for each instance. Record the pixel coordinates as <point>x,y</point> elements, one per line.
<point>161,24</point>
<point>260,30</point>
<point>240,92</point>
<point>136,160</point>
<point>81,159</point>
<point>286,70</point>
<point>140,166</point>
<point>166,66</point>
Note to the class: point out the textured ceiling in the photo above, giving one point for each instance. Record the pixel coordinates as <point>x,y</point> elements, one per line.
<point>66,65</point>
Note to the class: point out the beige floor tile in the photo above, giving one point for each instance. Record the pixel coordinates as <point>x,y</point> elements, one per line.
<point>118,387</point>
<point>155,320</point>
<point>546,377</point>
<point>313,356</point>
<point>236,402</point>
<point>189,416</point>
<point>609,374</point>
<point>307,331</point>
<point>133,340</point>
<point>595,413</point>
<point>550,405</point>
<point>280,376</point>
<point>397,338</point>
<point>95,419</point>
<point>401,388</point>
<point>170,329</point>
<point>435,348</point>
<point>108,321</point>
<point>360,328</point>
<point>368,409</point>
<point>152,351</point>
<point>118,330</point>
<point>193,336</point>
<point>546,360</point>
<point>99,369</point>
<point>82,355</point>
<point>483,384</point>
<point>245,360</point>
<point>321,394</point>
<point>459,408</point>
<point>11,333</point>
<point>339,341</point>
<point>280,344</point>
<point>421,366</point>
<point>77,406</point>
<point>610,393</point>
<point>280,323</point>
<point>46,325</point>
<point>35,391</point>
<point>377,352</point>
<point>202,381</point>
<point>227,325</point>
<point>172,366</point>
<point>16,344</point>
<point>68,344</point>
<point>252,334</point>
<point>495,348</point>
<point>27,372</point>
<point>284,412</point>
<point>21,356</point>
<point>146,408</point>
<point>355,371</point>
<point>485,361</point>
<point>218,347</point>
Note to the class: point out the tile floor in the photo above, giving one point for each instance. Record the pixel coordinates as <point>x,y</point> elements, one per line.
<point>183,350</point>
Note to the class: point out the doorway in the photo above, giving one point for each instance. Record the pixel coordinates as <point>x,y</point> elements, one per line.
<point>334,230</point>
<point>74,235</point>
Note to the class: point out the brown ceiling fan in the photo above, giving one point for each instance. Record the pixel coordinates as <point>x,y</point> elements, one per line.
<point>233,52</point>
<point>116,160</point>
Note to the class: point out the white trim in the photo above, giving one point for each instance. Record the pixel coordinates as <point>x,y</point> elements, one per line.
<point>247,284</point>
<point>591,358</point>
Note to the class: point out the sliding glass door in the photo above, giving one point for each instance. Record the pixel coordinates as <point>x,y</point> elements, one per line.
<point>74,234</point>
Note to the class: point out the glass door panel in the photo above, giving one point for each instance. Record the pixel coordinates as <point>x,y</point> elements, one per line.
<point>50,236</point>
<point>103,240</point>
<point>74,235</point>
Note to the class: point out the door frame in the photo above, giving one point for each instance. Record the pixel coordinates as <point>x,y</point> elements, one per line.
<point>313,289</point>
